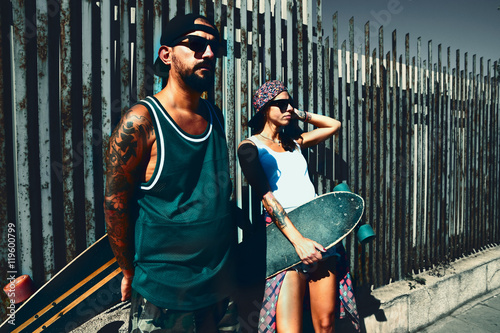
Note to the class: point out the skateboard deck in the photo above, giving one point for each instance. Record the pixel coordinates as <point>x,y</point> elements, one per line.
<point>326,219</point>
<point>84,288</point>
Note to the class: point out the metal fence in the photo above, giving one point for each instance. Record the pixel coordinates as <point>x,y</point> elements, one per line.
<point>419,141</point>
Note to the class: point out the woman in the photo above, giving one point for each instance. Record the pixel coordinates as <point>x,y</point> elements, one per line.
<point>279,176</point>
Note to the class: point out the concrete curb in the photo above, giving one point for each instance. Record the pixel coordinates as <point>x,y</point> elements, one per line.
<point>408,309</point>
<point>400,309</point>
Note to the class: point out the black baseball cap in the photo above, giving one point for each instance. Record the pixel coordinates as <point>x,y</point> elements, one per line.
<point>176,29</point>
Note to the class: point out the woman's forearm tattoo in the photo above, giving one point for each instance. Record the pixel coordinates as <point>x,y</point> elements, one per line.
<point>276,211</point>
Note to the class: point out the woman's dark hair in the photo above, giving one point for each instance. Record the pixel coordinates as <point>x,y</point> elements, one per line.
<point>288,134</point>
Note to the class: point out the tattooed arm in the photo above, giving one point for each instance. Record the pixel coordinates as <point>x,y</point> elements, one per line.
<point>129,151</point>
<point>248,157</point>
<point>306,248</point>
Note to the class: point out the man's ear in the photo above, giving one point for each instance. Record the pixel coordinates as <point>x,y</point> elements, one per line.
<point>165,54</point>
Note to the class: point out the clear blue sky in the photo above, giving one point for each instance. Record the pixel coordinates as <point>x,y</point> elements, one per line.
<point>471,26</point>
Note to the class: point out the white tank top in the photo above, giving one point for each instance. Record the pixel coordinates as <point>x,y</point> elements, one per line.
<point>287,175</point>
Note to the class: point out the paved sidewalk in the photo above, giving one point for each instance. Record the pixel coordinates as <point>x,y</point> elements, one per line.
<point>480,316</point>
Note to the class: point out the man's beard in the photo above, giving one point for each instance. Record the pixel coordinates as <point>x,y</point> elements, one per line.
<point>191,79</point>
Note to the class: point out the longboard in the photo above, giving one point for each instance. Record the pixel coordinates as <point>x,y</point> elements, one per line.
<point>85,287</point>
<point>327,219</point>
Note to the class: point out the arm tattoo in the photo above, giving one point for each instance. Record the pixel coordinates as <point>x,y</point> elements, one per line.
<point>300,114</point>
<point>276,211</point>
<point>128,145</point>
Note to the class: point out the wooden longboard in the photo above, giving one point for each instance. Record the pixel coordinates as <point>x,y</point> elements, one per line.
<point>327,219</point>
<point>85,287</point>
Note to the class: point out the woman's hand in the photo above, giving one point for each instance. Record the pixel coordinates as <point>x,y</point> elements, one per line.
<point>299,114</point>
<point>308,250</point>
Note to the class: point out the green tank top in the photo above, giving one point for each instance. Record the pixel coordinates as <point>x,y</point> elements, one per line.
<point>184,232</point>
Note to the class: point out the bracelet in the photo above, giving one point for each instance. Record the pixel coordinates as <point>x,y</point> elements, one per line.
<point>307,118</point>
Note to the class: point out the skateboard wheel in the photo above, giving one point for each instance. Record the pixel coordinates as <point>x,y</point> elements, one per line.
<point>365,233</point>
<point>19,289</point>
<point>342,187</point>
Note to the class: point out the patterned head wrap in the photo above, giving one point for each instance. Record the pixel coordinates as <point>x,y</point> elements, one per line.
<point>264,95</point>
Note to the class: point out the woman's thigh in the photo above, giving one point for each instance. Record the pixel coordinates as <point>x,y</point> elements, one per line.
<point>290,303</point>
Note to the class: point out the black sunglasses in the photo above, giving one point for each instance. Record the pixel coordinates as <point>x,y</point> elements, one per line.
<point>199,45</point>
<point>282,104</point>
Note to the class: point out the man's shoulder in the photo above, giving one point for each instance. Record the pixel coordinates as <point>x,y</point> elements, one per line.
<point>138,111</point>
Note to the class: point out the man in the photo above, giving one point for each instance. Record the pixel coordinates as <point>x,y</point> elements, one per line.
<point>167,202</point>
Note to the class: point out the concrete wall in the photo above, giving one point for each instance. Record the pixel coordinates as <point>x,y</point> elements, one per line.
<point>405,310</point>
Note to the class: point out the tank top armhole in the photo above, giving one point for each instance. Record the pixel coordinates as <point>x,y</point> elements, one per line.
<point>159,145</point>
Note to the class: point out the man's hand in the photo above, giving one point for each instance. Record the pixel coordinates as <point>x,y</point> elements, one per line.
<point>126,287</point>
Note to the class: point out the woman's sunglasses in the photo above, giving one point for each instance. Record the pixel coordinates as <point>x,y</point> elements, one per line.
<point>199,44</point>
<point>282,104</point>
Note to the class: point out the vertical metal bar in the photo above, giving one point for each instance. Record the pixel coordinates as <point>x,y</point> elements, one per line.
<point>479,156</point>
<point>447,169</point>
<point>400,173</point>
<point>487,159</point>
<point>8,209</point>
<point>460,199</point>
<point>278,39</point>
<point>375,219</point>
<point>327,155</point>
<point>495,157</point>
<point>267,41</point>
<point>87,123</point>
<point>219,72</point>
<point>125,58</point>
<point>290,46</point>
<point>474,157</point>
<point>301,45</point>
<point>496,146</point>
<point>448,92</point>
<point>21,139</point>
<point>394,188</point>
<point>229,95</point>
<point>335,95</point>
<point>203,7</point>
<point>243,116</point>
<point>318,93</point>
<point>389,266</point>
<point>310,60</point>
<point>67,129</point>
<point>141,36</point>
<point>468,160</point>
<point>44,141</point>
<point>440,193</point>
<point>244,42</point>
<point>381,259</point>
<point>77,130</point>
<point>158,14</point>
<point>429,153</point>
<point>482,170</point>
<point>343,118</point>
<point>425,173</point>
<point>255,47</point>
<point>366,160</point>
<point>96,114</point>
<point>188,8</point>
<point>415,190</point>
<point>408,195</point>
<point>456,148</point>
<point>421,157</point>
<point>353,181</point>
